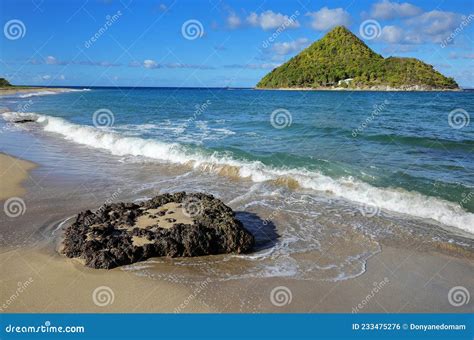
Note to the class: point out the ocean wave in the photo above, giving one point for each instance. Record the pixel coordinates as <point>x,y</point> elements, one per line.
<point>425,141</point>
<point>392,199</point>
<point>46,92</point>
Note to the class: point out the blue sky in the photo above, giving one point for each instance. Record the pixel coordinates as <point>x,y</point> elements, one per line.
<point>212,42</point>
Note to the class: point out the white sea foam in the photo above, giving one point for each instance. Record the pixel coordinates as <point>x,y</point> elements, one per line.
<point>176,130</point>
<point>393,199</point>
<point>46,92</point>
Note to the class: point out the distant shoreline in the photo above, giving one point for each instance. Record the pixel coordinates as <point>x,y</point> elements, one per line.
<point>387,89</point>
<point>31,89</point>
<point>4,91</point>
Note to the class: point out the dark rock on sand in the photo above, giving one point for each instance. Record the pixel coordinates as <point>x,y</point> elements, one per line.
<point>171,225</point>
<point>22,121</point>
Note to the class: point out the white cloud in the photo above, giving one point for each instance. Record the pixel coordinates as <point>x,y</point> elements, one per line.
<point>283,48</point>
<point>191,66</point>
<point>262,66</point>
<point>454,55</point>
<point>269,20</point>
<point>233,21</point>
<point>50,60</point>
<point>436,22</point>
<point>429,27</point>
<point>151,64</point>
<point>326,18</point>
<point>390,10</point>
<point>61,77</point>
<point>392,34</point>
<point>46,77</point>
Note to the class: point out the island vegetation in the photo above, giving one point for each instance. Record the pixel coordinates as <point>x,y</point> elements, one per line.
<point>4,83</point>
<point>341,60</point>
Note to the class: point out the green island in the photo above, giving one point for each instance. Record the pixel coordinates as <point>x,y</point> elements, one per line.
<point>7,89</point>
<point>340,60</point>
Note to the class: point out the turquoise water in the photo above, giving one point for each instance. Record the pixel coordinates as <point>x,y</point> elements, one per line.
<point>400,151</point>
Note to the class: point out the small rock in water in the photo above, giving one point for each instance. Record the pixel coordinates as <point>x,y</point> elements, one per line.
<point>124,233</point>
<point>22,121</point>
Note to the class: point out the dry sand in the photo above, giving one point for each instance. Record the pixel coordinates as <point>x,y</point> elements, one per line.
<point>43,282</point>
<point>13,172</point>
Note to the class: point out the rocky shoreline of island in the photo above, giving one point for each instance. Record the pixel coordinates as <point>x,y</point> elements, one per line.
<point>381,88</point>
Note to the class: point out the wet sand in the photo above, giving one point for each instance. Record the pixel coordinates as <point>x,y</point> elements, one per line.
<point>13,172</point>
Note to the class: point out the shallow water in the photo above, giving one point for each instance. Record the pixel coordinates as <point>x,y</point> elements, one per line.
<point>319,200</point>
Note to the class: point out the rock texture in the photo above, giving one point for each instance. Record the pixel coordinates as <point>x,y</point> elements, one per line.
<point>171,225</point>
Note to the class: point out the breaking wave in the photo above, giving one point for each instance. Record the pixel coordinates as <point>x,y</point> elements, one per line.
<point>392,199</point>
<point>46,92</point>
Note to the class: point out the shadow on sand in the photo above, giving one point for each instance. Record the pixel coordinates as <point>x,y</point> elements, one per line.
<point>264,231</point>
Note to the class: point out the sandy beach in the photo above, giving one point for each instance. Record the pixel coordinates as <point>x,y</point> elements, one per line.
<point>41,282</point>
<point>13,172</point>
<point>38,279</point>
<point>7,91</point>
<point>401,277</point>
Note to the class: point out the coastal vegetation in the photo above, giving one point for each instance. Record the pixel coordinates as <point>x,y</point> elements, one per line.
<point>4,83</point>
<point>340,60</point>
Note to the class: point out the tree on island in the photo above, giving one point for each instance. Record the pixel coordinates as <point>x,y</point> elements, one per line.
<point>4,82</point>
